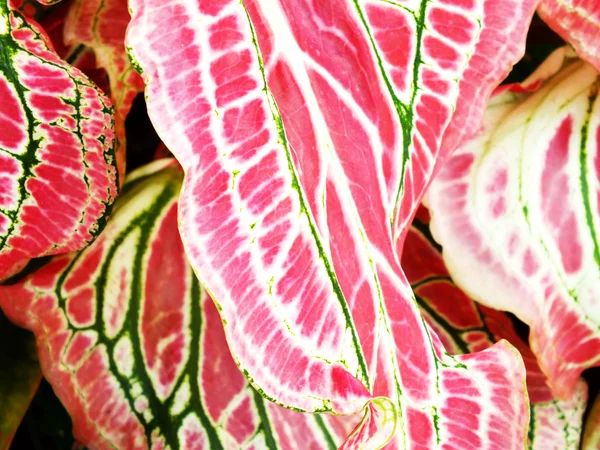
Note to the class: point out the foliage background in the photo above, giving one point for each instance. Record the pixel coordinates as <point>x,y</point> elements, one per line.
<point>47,425</point>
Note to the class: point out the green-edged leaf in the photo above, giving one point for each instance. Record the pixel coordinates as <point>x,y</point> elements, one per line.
<point>519,206</point>
<point>134,347</point>
<point>100,25</point>
<point>57,165</point>
<point>308,132</point>
<point>465,327</point>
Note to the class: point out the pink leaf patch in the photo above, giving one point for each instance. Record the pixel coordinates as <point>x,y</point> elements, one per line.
<point>57,176</point>
<point>135,348</point>
<point>100,25</point>
<point>463,326</point>
<point>578,23</point>
<point>516,210</point>
<point>308,136</point>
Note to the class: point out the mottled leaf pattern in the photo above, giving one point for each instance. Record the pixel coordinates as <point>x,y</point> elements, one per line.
<point>519,206</point>
<point>578,23</point>
<point>100,25</point>
<point>465,327</point>
<point>20,376</point>
<point>135,348</point>
<point>57,174</point>
<point>307,136</point>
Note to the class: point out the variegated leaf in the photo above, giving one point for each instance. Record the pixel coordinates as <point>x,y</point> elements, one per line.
<point>100,25</point>
<point>20,376</point>
<point>307,135</point>
<point>135,348</point>
<point>465,327</point>
<point>57,174</point>
<point>519,207</point>
<point>591,435</point>
<point>578,23</point>
<point>80,56</point>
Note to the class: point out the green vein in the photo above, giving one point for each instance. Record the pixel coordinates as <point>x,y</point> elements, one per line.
<point>265,423</point>
<point>193,368</point>
<point>9,48</point>
<point>583,175</point>
<point>326,434</point>
<point>276,116</point>
<point>531,431</point>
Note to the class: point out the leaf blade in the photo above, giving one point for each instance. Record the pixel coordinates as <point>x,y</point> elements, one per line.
<point>578,23</point>
<point>139,360</point>
<point>59,130</point>
<point>547,270</point>
<point>291,147</point>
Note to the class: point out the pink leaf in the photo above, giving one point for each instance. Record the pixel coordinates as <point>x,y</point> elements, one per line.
<point>464,327</point>
<point>578,23</point>
<point>516,210</point>
<point>307,136</point>
<point>134,347</point>
<point>57,173</point>
<point>101,25</point>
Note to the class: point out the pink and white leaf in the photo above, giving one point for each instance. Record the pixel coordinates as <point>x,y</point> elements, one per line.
<point>57,165</point>
<point>307,136</point>
<point>134,347</point>
<point>101,25</point>
<point>516,211</point>
<point>578,23</point>
<point>465,327</point>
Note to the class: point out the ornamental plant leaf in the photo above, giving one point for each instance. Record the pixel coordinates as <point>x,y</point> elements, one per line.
<point>463,326</point>
<point>307,135</point>
<point>19,377</point>
<point>57,165</point>
<point>518,206</point>
<point>135,348</point>
<point>578,23</point>
<point>100,25</point>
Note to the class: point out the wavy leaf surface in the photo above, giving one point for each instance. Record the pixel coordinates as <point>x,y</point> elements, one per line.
<point>134,347</point>
<point>19,377</point>
<point>578,23</point>
<point>57,173</point>
<point>307,136</point>
<point>77,55</point>
<point>466,327</point>
<point>591,435</point>
<point>100,25</point>
<point>518,206</point>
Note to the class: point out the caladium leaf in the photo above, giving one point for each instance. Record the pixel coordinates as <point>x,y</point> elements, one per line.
<point>518,206</point>
<point>464,327</point>
<point>134,347</point>
<point>591,435</point>
<point>79,56</point>
<point>19,377</point>
<point>307,135</point>
<point>57,172</point>
<point>578,23</point>
<point>101,25</point>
